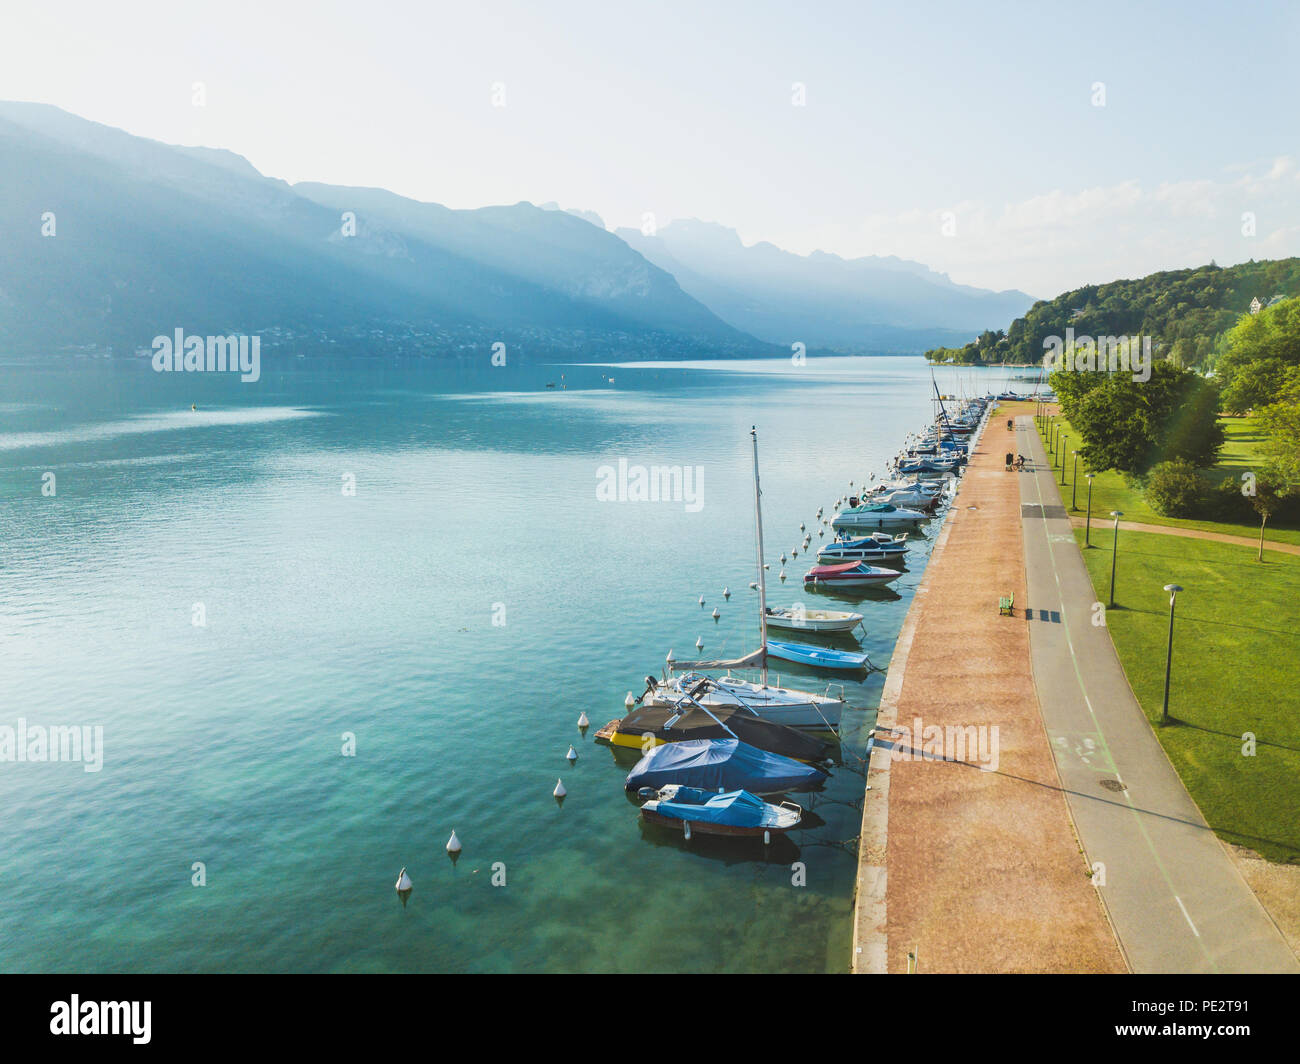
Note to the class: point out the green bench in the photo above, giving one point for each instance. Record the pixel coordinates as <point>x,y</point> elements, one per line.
<point>1007,605</point>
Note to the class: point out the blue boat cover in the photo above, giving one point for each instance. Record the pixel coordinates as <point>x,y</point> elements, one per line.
<point>868,544</point>
<point>739,809</point>
<point>714,765</point>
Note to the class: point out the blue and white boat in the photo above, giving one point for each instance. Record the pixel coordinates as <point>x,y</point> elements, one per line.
<point>719,765</point>
<point>878,515</point>
<point>880,547</point>
<point>736,813</point>
<point>821,657</point>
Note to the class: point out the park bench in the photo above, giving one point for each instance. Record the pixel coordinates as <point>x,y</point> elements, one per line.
<point>1007,605</point>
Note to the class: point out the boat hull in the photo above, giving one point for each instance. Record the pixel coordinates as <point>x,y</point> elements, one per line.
<point>812,712</point>
<point>706,828</point>
<point>818,657</point>
<point>816,621</point>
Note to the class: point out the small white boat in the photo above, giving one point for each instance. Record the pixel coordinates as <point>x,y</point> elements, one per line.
<point>918,498</point>
<point>851,574</point>
<point>805,620</point>
<point>877,515</point>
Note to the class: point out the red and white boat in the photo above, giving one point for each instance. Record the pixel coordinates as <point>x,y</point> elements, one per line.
<point>849,574</point>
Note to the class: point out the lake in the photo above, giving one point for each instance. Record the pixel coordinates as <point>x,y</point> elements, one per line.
<point>326,618</point>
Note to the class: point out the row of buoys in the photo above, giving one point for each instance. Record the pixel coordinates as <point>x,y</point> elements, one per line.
<point>404,885</point>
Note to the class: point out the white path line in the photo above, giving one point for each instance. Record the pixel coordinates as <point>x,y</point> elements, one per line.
<point>1186,917</point>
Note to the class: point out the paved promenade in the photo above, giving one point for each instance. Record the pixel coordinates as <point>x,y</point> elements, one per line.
<point>971,863</point>
<point>1175,897</point>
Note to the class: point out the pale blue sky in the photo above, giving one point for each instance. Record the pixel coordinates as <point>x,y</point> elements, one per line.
<point>685,110</point>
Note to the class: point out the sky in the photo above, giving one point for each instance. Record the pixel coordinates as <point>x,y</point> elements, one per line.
<point>1037,146</point>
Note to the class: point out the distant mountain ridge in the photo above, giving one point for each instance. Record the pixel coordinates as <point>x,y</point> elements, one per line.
<point>149,237</point>
<point>857,306</point>
<point>144,237</point>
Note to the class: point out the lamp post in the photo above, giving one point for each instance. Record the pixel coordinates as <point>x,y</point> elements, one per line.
<point>1064,437</point>
<point>1074,482</point>
<point>1114,551</point>
<point>1173,590</point>
<point>1087,529</point>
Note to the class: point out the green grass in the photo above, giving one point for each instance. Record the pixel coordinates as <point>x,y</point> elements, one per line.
<point>1111,491</point>
<point>1236,649</point>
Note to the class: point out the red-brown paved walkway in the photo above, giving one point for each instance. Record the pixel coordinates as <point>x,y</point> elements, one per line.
<point>982,869</point>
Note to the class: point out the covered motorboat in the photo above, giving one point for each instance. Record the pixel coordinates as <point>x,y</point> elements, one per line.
<point>719,765</point>
<point>736,813</point>
<point>653,725</point>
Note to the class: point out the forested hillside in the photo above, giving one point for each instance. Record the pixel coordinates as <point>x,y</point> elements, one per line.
<point>1187,313</point>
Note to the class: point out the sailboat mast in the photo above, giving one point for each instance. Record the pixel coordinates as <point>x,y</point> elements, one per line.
<point>762,580</point>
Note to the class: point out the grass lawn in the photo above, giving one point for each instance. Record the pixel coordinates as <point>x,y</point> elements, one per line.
<point>1235,669</point>
<point>1110,490</point>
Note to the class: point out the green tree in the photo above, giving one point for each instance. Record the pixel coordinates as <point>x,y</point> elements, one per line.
<point>1130,425</point>
<point>1258,351</point>
<point>1280,422</point>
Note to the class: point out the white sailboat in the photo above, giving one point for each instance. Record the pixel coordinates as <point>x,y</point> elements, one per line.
<point>782,705</point>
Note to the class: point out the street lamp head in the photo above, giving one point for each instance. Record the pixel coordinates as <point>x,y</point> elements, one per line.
<point>1089,475</point>
<point>1117,514</point>
<point>1173,587</point>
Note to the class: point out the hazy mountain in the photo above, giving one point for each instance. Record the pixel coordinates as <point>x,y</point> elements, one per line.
<point>149,237</point>
<point>824,300</point>
<point>555,250</point>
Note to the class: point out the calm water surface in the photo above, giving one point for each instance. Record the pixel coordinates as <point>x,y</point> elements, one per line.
<point>372,614</point>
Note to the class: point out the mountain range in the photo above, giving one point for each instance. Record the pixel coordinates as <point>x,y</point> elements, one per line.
<point>112,239</point>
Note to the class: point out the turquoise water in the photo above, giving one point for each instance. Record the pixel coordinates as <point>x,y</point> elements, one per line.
<point>372,614</point>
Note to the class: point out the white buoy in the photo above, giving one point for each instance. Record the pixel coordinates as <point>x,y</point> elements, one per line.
<point>699,644</point>
<point>783,576</point>
<point>753,585</point>
<point>404,885</point>
<point>716,614</point>
<point>821,532</point>
<point>726,592</point>
<point>783,557</point>
<point>572,755</point>
<point>629,701</point>
<point>559,791</point>
<point>701,600</point>
<point>670,654</point>
<point>583,722</point>
<point>801,526</point>
<point>794,553</point>
<point>453,843</point>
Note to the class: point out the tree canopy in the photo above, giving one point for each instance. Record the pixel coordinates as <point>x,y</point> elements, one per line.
<point>1185,312</point>
<point>1258,353</point>
<point>1132,425</point>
